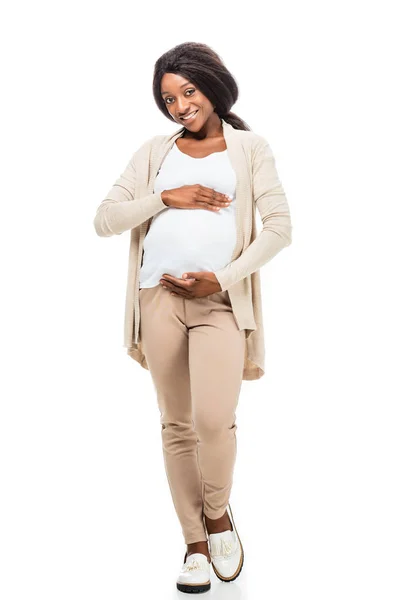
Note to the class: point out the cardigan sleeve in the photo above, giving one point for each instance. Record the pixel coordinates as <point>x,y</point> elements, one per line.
<point>121,210</point>
<point>271,203</point>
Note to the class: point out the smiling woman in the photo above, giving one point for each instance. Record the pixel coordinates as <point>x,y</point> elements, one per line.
<point>193,297</point>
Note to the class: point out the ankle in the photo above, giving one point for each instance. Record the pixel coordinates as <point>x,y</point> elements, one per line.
<point>218,525</point>
<point>201,547</point>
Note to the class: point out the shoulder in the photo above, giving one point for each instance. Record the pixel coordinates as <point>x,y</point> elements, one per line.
<point>257,140</point>
<point>155,140</point>
<point>253,141</point>
<point>259,148</point>
<point>148,146</point>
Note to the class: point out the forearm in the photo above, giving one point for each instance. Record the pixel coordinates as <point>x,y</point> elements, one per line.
<point>266,245</point>
<point>270,200</point>
<point>121,210</point>
<point>119,213</point>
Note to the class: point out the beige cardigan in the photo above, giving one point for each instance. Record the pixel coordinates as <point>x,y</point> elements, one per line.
<point>131,203</point>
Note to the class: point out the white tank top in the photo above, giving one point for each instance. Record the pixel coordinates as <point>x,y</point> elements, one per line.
<point>181,240</point>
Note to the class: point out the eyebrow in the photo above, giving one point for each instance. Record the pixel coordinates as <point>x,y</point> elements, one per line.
<point>163,93</point>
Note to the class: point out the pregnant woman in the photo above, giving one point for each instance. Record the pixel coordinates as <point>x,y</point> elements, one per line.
<point>193,302</point>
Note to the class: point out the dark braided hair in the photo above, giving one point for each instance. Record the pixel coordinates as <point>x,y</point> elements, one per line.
<point>204,68</point>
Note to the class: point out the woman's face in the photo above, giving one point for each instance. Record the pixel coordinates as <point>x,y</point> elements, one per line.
<point>182,98</point>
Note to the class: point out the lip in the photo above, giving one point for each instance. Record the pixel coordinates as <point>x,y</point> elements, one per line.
<point>191,119</point>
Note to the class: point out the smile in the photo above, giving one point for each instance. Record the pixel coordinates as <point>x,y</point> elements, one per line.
<point>190,117</point>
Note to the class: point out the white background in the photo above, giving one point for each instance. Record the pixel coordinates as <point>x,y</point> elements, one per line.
<point>85,506</point>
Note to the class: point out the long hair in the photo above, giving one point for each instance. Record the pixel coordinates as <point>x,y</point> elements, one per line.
<point>204,68</point>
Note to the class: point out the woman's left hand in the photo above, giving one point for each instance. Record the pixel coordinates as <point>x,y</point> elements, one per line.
<point>191,285</point>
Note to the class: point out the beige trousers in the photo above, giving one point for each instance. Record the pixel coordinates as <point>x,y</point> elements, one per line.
<point>195,354</point>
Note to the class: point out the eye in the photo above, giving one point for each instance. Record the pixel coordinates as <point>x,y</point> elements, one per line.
<point>188,90</point>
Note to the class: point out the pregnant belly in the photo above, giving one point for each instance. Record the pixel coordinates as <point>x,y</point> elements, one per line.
<point>193,232</point>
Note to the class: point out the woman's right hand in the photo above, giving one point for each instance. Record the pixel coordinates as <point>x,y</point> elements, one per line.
<point>195,197</point>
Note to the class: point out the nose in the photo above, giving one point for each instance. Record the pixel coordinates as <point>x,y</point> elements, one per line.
<point>182,109</point>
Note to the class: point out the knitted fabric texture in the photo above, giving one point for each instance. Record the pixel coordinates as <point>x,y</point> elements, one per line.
<point>131,204</point>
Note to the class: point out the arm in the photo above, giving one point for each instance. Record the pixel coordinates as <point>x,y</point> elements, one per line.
<point>117,212</point>
<point>272,205</point>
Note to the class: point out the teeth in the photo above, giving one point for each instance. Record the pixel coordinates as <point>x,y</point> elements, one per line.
<point>189,116</point>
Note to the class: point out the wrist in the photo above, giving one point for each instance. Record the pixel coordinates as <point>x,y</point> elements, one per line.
<point>165,197</point>
<point>217,283</point>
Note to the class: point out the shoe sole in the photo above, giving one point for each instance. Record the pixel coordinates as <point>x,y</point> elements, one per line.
<point>193,589</point>
<point>240,566</point>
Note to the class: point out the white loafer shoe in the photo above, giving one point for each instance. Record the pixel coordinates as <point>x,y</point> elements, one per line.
<point>226,552</point>
<point>194,576</point>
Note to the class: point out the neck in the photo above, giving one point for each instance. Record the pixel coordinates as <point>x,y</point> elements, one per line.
<point>212,128</point>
